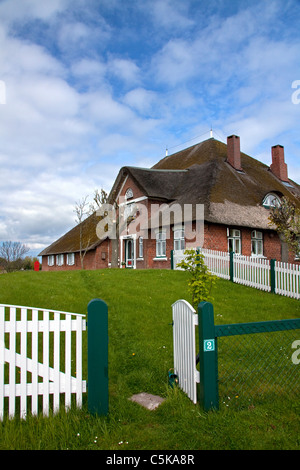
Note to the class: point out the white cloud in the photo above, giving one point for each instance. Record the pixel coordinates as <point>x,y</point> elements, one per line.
<point>170,14</point>
<point>142,100</point>
<point>90,69</point>
<point>124,69</point>
<point>18,10</point>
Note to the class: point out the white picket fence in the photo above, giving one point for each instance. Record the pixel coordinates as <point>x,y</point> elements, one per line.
<point>37,347</point>
<point>251,271</point>
<point>287,279</point>
<point>184,347</point>
<point>216,261</point>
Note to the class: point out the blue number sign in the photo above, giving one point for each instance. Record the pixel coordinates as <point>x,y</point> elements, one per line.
<point>209,345</point>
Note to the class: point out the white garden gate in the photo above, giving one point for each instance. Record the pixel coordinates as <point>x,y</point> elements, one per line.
<point>184,344</point>
<point>37,347</point>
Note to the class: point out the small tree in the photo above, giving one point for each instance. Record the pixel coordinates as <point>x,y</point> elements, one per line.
<point>286,218</point>
<point>201,280</point>
<point>28,262</point>
<point>12,254</point>
<point>83,210</point>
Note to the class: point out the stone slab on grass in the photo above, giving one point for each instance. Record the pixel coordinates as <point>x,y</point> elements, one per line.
<point>151,402</point>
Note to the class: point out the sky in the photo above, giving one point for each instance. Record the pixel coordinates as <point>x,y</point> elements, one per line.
<point>89,86</point>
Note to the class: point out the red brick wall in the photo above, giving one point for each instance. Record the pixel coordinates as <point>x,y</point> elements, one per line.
<point>92,260</point>
<point>135,189</point>
<point>215,238</point>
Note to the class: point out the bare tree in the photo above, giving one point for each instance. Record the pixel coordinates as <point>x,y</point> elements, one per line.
<point>82,211</point>
<point>11,254</point>
<point>100,198</point>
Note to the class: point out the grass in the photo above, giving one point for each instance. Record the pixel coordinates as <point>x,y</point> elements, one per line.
<point>140,355</point>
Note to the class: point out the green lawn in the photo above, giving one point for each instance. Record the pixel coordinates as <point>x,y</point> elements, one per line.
<point>140,355</point>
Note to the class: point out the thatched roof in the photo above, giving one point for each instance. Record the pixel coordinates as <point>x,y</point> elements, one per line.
<point>201,175</point>
<point>198,175</point>
<point>70,242</point>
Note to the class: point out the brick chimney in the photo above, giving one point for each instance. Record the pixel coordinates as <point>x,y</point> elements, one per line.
<point>278,166</point>
<point>233,152</point>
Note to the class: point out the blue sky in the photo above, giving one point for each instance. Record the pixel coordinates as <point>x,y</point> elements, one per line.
<point>87,87</point>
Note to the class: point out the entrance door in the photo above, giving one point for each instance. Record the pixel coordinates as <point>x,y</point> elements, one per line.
<point>129,253</point>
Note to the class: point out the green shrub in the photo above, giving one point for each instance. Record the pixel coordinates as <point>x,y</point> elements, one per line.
<point>201,280</point>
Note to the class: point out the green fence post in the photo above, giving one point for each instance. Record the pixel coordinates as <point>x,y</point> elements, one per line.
<point>172,259</point>
<point>208,357</point>
<point>98,357</point>
<point>231,266</point>
<point>273,275</point>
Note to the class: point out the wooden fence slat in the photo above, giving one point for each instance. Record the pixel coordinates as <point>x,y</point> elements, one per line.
<point>68,364</point>
<point>46,363</point>
<point>12,363</point>
<point>56,364</point>
<point>23,374</point>
<point>34,369</point>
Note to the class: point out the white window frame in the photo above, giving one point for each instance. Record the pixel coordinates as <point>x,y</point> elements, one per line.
<point>257,241</point>
<point>51,260</point>
<point>129,210</point>
<point>179,240</point>
<point>234,236</point>
<point>271,200</point>
<point>161,244</point>
<point>60,260</point>
<point>129,194</point>
<point>141,247</point>
<point>70,259</point>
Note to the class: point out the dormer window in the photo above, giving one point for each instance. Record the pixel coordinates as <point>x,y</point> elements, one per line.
<point>129,193</point>
<point>271,200</point>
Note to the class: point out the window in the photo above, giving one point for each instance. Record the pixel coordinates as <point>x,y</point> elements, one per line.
<point>51,260</point>
<point>71,259</point>
<point>179,242</point>
<point>160,244</point>
<point>256,243</point>
<point>59,260</point>
<point>129,210</point>
<point>129,193</point>
<point>141,247</point>
<point>271,200</point>
<point>234,241</point>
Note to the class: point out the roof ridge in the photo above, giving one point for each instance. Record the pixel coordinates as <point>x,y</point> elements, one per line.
<point>155,169</point>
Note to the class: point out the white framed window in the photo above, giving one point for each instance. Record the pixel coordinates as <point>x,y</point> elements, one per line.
<point>70,259</point>
<point>271,200</point>
<point>59,260</point>
<point>51,260</point>
<point>141,247</point>
<point>179,241</point>
<point>160,244</point>
<point>234,241</point>
<point>257,247</point>
<point>129,210</point>
<point>129,193</point>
